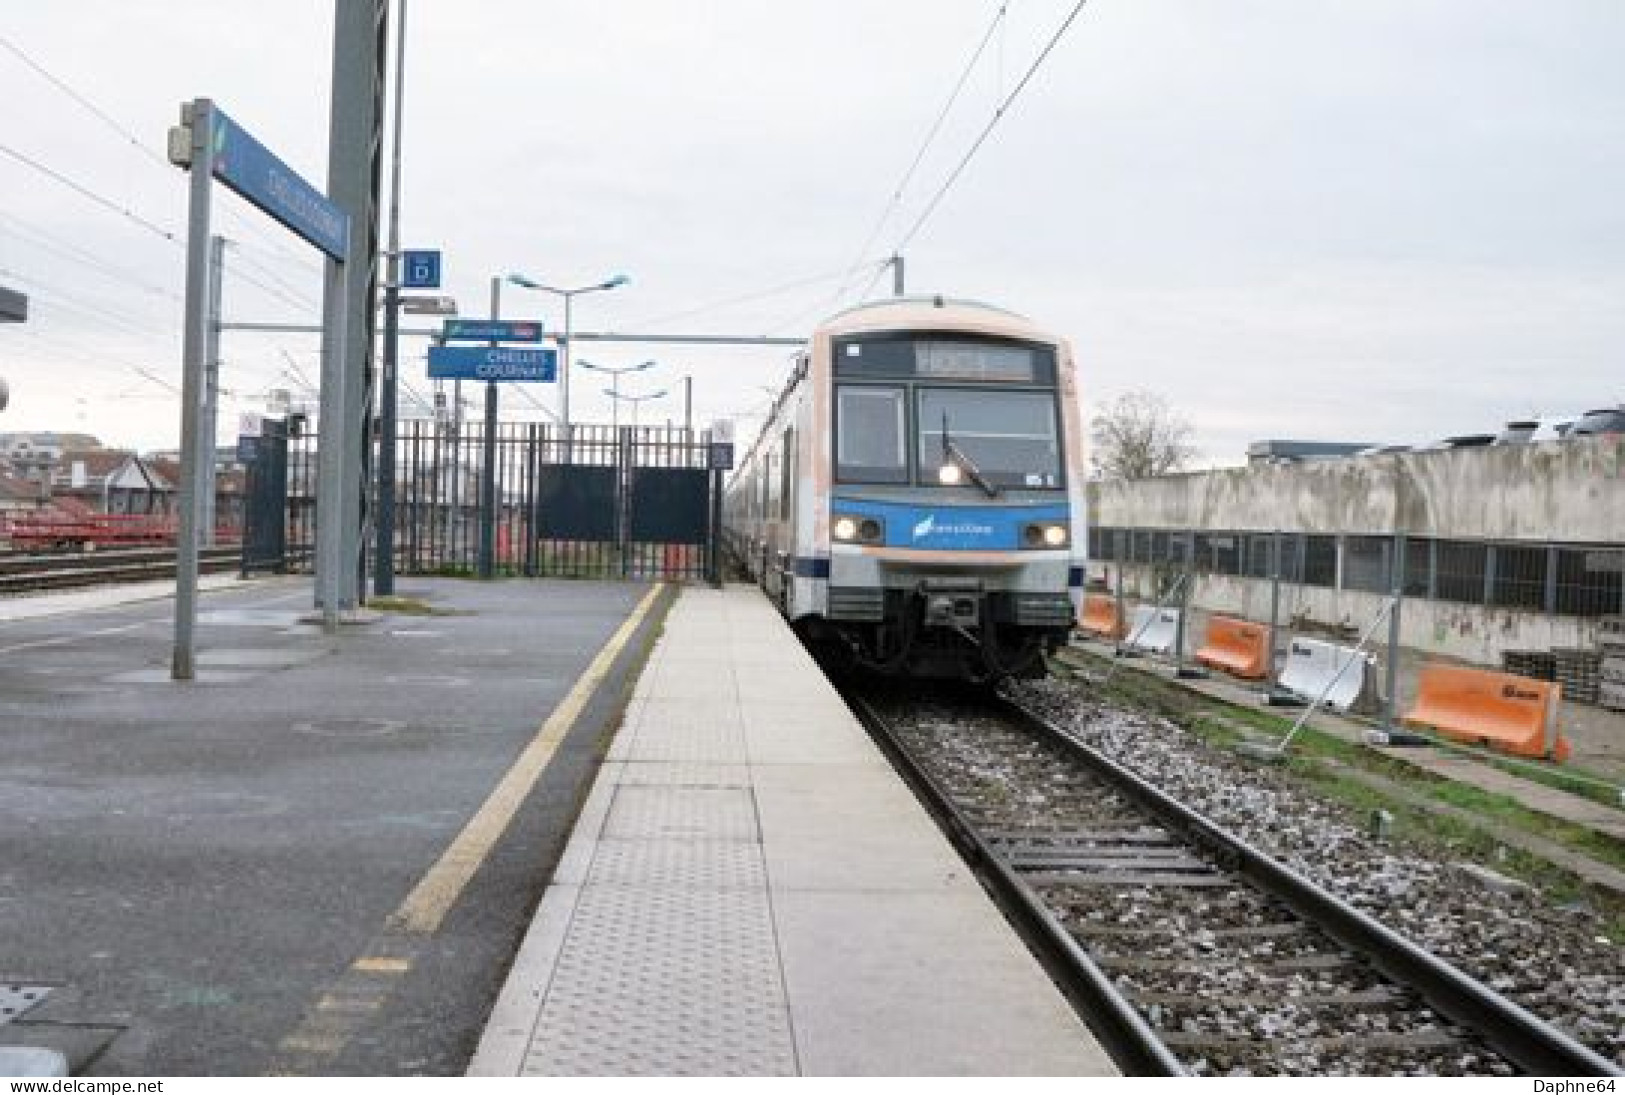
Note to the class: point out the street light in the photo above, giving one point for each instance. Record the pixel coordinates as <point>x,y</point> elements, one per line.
<point>615,376</point>
<point>634,400</point>
<point>569,295</point>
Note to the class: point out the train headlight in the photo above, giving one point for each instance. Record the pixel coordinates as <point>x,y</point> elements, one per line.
<point>849,529</point>
<point>1044,535</point>
<point>949,475</point>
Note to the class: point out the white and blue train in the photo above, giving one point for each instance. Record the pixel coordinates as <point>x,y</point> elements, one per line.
<point>915,503</point>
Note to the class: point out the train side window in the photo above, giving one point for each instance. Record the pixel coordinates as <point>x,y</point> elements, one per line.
<point>787,472</point>
<point>870,435</point>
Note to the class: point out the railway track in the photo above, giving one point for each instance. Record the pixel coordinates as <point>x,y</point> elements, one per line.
<point>33,573</point>
<point>1192,950</point>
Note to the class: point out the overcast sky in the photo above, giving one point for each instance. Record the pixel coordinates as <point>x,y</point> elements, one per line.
<point>1392,220</point>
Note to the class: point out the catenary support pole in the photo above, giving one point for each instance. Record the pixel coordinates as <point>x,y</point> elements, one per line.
<point>383,582</point>
<point>194,339</point>
<point>1274,678</point>
<point>1391,670</point>
<point>211,397</point>
<point>488,473</point>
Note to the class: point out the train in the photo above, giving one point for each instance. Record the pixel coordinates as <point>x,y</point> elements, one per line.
<point>914,504</point>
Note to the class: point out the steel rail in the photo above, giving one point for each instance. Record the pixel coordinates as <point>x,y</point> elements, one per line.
<point>1523,1038</point>
<point>23,574</point>
<point>1134,1047</point>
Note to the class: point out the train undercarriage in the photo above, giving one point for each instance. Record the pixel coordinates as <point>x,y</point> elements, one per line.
<point>941,630</point>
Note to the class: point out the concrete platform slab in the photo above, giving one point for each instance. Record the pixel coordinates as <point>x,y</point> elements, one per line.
<point>866,1014</point>
<point>752,890</point>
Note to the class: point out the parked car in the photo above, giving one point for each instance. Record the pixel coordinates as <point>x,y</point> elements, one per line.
<point>1460,441</point>
<point>1553,427</point>
<point>1607,420</point>
<point>1517,432</point>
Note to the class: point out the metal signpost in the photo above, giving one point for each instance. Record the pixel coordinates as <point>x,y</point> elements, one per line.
<point>494,364</point>
<point>720,458</point>
<point>211,146</point>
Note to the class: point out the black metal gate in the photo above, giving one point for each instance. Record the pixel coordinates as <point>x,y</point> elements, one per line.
<point>596,502</point>
<point>279,496</point>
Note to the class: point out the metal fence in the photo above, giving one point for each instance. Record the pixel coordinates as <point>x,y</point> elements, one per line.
<point>593,502</point>
<point>1559,578</point>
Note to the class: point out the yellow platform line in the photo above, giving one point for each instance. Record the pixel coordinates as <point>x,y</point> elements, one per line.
<point>427,905</point>
<point>381,965</point>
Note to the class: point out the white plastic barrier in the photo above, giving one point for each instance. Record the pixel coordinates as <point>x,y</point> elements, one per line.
<point>1312,664</point>
<point>1153,629</point>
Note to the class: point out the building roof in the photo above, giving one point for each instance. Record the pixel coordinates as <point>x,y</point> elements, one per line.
<point>98,463</point>
<point>16,489</point>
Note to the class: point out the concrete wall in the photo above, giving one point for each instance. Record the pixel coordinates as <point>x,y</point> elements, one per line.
<point>1473,633</point>
<point>1570,492</point>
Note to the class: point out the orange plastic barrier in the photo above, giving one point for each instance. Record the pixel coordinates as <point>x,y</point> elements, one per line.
<point>1500,710</point>
<point>1239,647</point>
<point>1100,615</point>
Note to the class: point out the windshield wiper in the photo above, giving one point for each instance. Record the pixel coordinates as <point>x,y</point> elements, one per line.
<point>952,452</point>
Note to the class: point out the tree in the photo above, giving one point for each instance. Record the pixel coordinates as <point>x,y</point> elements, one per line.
<point>1138,436</point>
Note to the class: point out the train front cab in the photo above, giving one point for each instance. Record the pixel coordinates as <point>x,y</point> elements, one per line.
<point>951,525</point>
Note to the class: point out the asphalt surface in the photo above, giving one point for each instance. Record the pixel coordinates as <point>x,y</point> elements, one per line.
<point>207,870</point>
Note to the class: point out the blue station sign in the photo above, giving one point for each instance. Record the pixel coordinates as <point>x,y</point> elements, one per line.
<point>492,330</point>
<point>496,363</point>
<point>420,269</point>
<point>254,172</point>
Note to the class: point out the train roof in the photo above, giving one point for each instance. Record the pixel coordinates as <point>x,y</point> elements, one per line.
<point>928,312</point>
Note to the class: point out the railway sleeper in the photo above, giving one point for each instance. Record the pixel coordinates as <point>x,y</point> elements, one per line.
<point>1302,963</point>
<point>1329,1043</point>
<point>1258,931</point>
<point>1357,998</point>
<point>1045,838</point>
<point>1205,879</point>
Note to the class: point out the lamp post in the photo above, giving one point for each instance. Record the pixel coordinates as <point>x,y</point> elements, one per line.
<point>615,378</point>
<point>634,400</point>
<point>569,296</point>
<point>383,582</point>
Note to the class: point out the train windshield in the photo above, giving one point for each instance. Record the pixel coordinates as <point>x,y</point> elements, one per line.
<point>872,445</point>
<point>1008,437</point>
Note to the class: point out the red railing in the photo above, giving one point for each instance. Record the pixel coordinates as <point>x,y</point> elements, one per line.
<point>79,532</point>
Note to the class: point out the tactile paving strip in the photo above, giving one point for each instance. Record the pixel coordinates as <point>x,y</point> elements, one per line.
<point>685,813</point>
<point>672,864</point>
<point>715,743</point>
<point>666,983</point>
<point>670,966</point>
<point>679,774</point>
<point>16,999</point>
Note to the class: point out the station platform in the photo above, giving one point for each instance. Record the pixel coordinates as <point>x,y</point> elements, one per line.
<point>323,855</point>
<point>751,890</point>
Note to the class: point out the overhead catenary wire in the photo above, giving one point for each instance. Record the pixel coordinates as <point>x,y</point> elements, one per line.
<point>981,139</point>
<point>54,348</point>
<point>46,241</point>
<point>56,297</point>
<point>743,298</point>
<point>896,196</point>
<point>150,153</point>
<point>825,305</point>
<point>89,194</point>
<point>96,111</point>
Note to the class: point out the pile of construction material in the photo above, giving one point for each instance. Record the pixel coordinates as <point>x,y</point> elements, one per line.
<point>1611,670</point>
